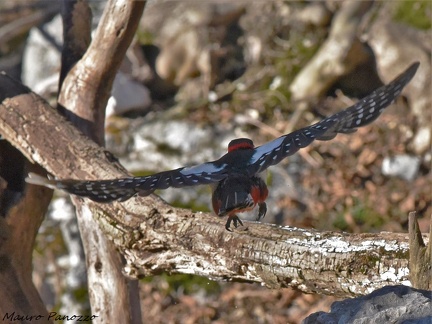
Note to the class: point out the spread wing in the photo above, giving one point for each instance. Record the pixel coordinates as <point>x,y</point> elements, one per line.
<point>346,121</point>
<point>124,188</point>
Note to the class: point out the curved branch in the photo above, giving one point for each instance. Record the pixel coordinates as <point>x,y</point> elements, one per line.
<point>96,70</point>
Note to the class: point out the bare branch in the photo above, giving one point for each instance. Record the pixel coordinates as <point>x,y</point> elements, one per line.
<point>87,76</point>
<point>96,70</point>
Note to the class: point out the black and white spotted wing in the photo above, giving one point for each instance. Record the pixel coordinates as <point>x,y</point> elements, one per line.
<point>250,161</point>
<point>124,188</point>
<point>346,121</point>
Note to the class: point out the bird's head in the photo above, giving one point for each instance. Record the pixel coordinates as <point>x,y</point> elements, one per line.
<point>240,144</point>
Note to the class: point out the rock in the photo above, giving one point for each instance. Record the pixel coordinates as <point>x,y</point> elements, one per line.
<point>402,166</point>
<point>41,56</point>
<point>41,67</point>
<point>127,95</point>
<point>168,144</point>
<point>391,304</point>
<point>315,14</point>
<point>66,260</point>
<point>422,139</point>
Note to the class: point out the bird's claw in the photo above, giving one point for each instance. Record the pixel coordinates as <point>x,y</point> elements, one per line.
<point>236,220</point>
<point>261,211</point>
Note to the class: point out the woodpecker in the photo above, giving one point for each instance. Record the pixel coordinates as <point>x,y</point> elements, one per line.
<point>235,176</point>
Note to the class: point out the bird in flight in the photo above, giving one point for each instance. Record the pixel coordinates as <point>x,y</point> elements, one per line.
<point>237,186</point>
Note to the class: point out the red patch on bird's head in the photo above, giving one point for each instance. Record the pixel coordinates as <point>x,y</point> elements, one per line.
<point>240,144</point>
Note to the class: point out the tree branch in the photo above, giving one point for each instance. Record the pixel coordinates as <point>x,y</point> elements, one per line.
<point>155,237</point>
<point>96,70</point>
<point>86,80</point>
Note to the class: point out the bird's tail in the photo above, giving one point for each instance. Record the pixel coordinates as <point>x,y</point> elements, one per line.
<point>36,179</point>
<point>100,191</point>
<point>235,202</point>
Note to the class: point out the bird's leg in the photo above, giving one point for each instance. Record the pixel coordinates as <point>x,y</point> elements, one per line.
<point>235,219</point>
<point>262,210</point>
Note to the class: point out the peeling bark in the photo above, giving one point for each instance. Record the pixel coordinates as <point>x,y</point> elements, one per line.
<point>155,237</point>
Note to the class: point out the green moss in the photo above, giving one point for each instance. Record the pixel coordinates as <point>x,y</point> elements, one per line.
<point>366,262</point>
<point>414,13</point>
<point>193,284</point>
<point>363,214</point>
<point>142,173</point>
<point>81,295</point>
<point>168,149</point>
<point>340,222</point>
<point>145,37</point>
<point>400,254</point>
<point>366,216</point>
<point>50,239</point>
<point>268,178</point>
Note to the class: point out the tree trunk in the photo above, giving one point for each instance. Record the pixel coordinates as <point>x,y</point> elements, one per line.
<point>22,210</point>
<point>86,79</point>
<point>18,229</point>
